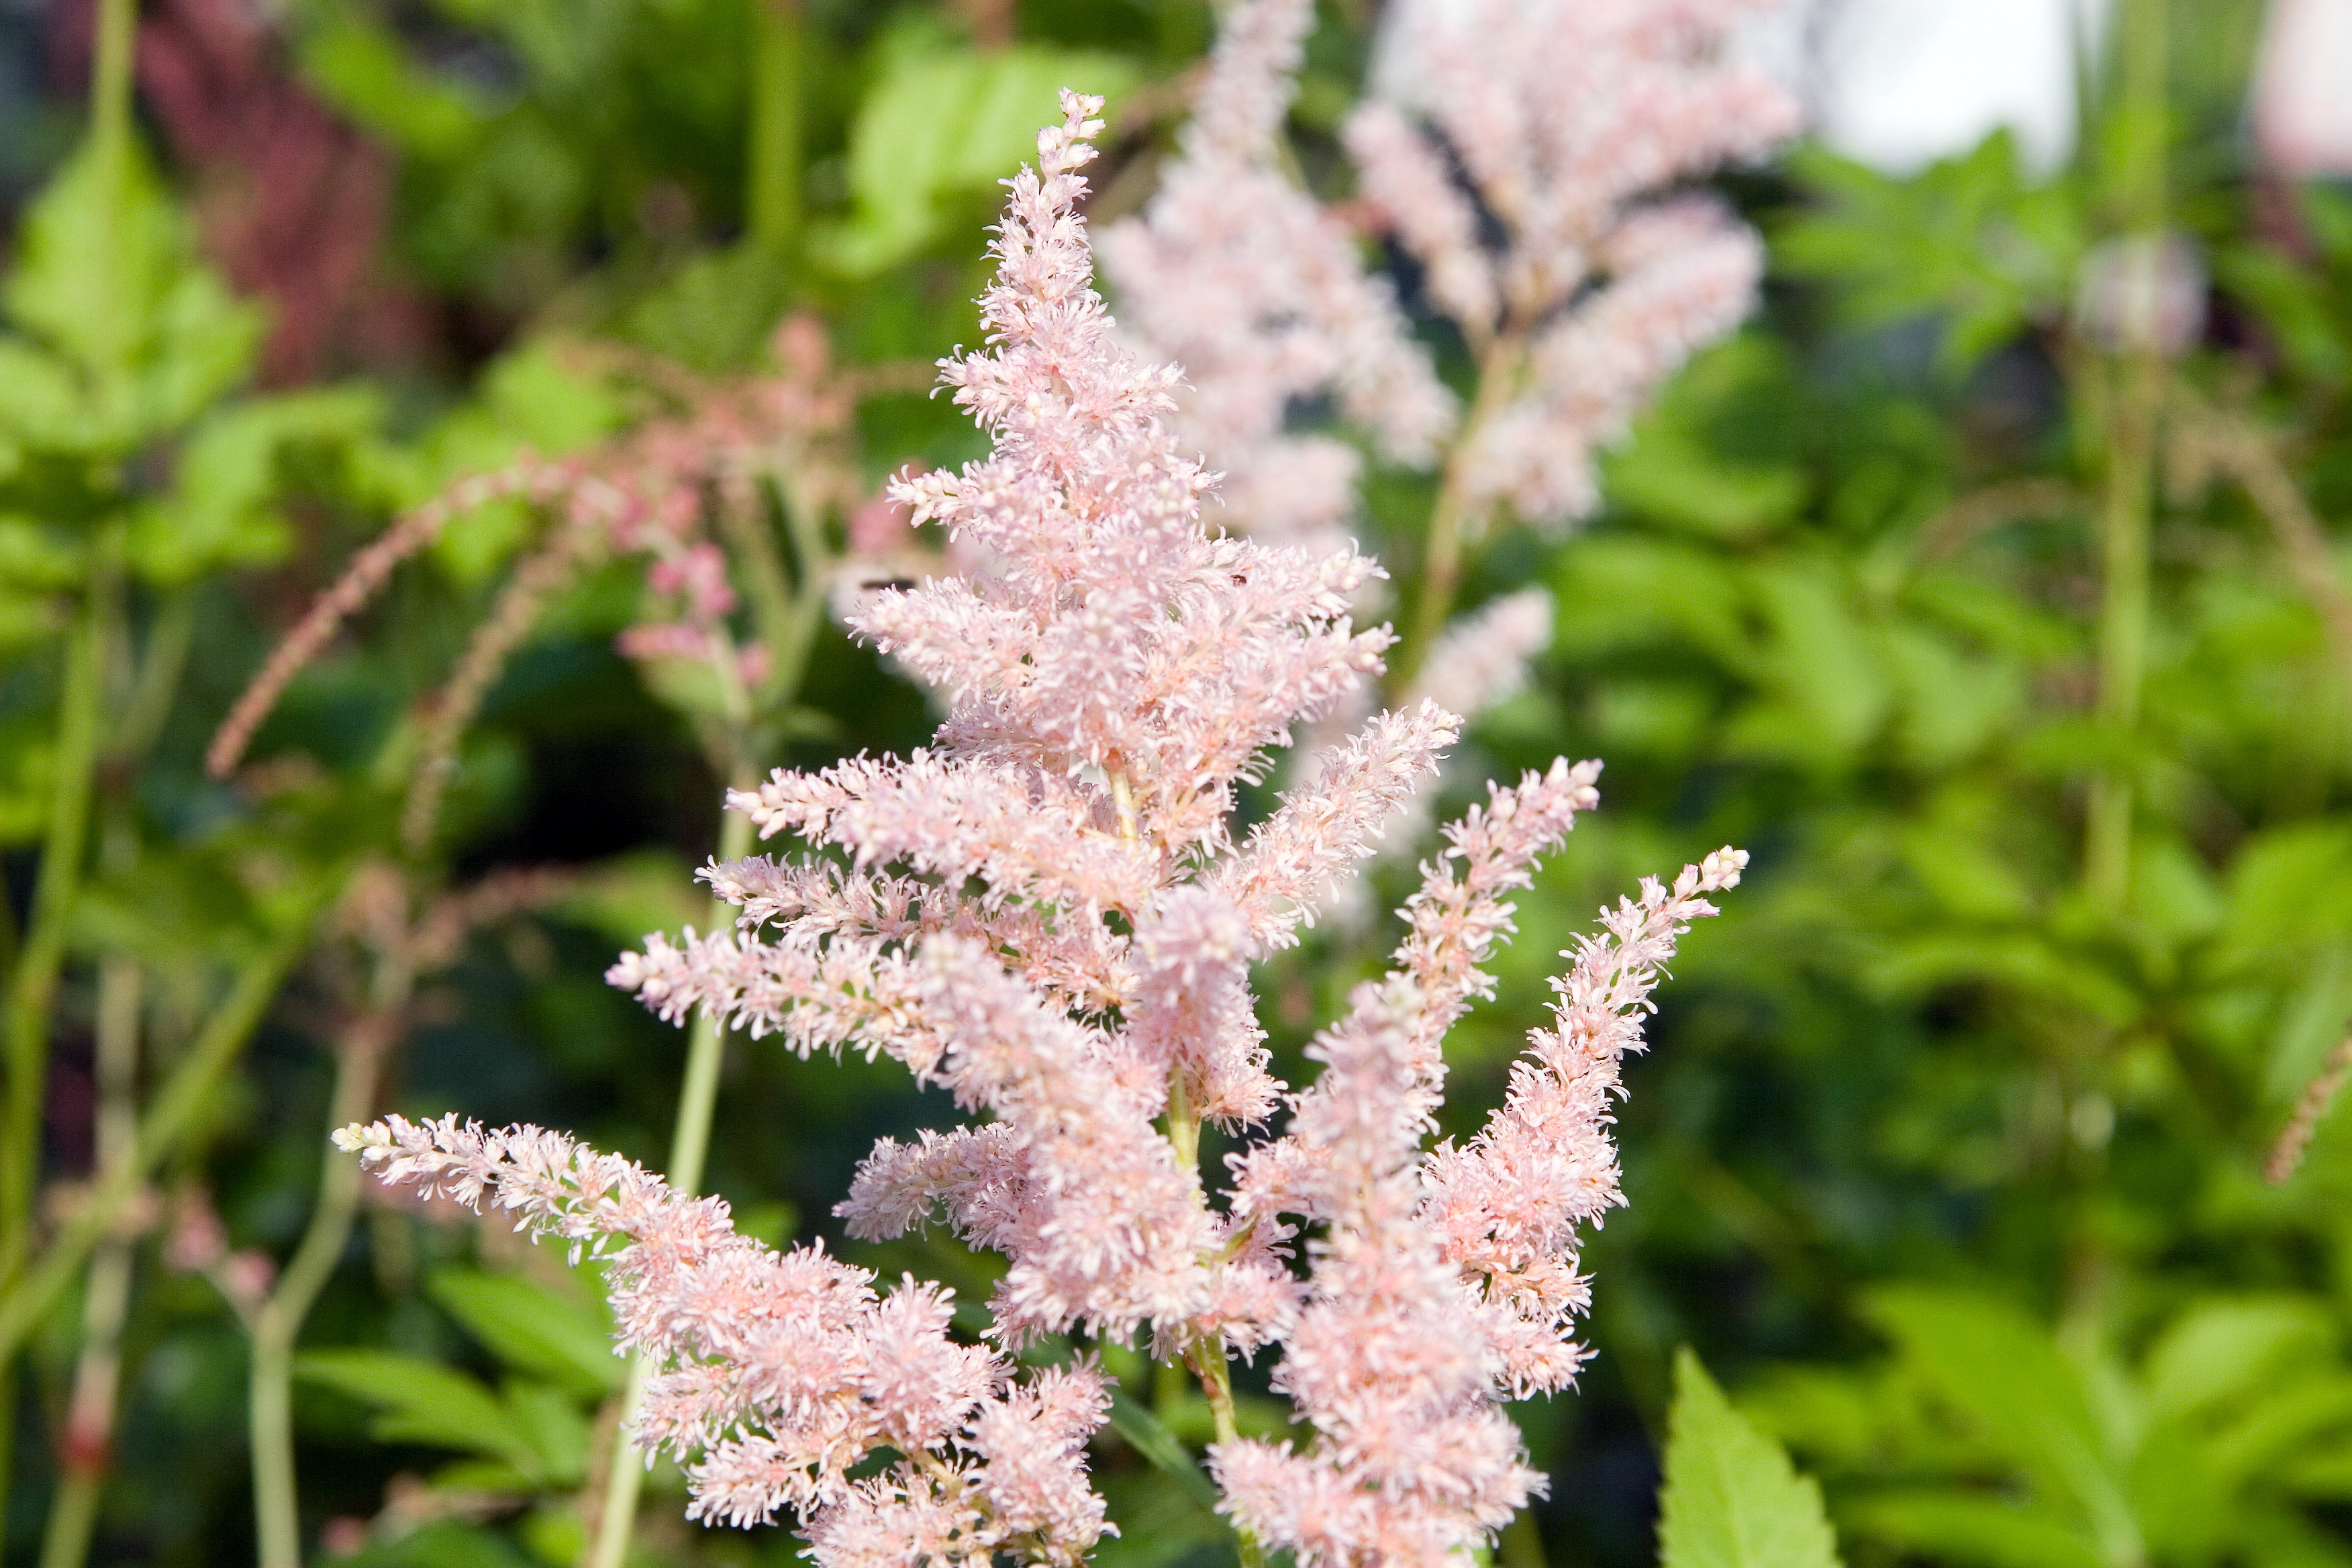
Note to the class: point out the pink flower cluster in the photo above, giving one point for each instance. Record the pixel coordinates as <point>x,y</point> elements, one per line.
<point>1557,122</point>
<point>1259,293</point>
<point>779,1372</point>
<point>1522,176</point>
<point>1047,915</point>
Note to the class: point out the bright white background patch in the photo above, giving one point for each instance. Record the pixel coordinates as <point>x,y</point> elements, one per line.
<point>1897,83</point>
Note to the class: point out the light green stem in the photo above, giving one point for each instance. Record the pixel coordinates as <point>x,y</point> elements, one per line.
<point>278,1519</point>
<point>1455,515</point>
<point>772,204</point>
<point>2130,492</point>
<point>31,1291</point>
<point>33,987</point>
<point>1215,1373</point>
<point>689,1145</point>
<point>87,1452</point>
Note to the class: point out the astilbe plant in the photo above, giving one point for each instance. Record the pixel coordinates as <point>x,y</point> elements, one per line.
<point>1047,915</point>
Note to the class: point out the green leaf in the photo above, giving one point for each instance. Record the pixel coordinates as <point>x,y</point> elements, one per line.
<point>948,121</point>
<point>1149,1436</point>
<point>2222,1350</point>
<point>217,511</point>
<point>361,69</point>
<point>1716,455</point>
<point>109,276</point>
<point>531,1328</point>
<point>33,556</point>
<point>423,1402</point>
<point>445,1543</point>
<point>1997,1367</point>
<point>1731,1498</point>
<point>40,400</point>
<point>1964,1527</point>
<point>551,1418</point>
<point>1966,240</point>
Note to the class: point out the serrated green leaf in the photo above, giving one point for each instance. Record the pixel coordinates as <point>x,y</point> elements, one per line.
<point>531,1328</point>
<point>109,277</point>
<point>1731,1499</point>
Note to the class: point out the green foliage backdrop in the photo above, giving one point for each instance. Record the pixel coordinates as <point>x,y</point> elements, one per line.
<point>2021,658</point>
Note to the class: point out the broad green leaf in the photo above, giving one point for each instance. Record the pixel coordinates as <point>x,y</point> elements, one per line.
<point>363,71</point>
<point>445,1543</point>
<point>530,1327</point>
<point>2289,890</point>
<point>109,276</point>
<point>2222,1350</point>
<point>1731,1498</point>
<point>1959,1527</point>
<point>28,762</point>
<point>40,399</point>
<point>532,399</point>
<point>627,897</point>
<point>551,1418</point>
<point>421,1400</point>
<point>1615,589</point>
<point>217,513</point>
<point>2281,1428</point>
<point>2308,1027</point>
<point>2000,1370</point>
<point>1717,455</point>
<point>35,556</point>
<point>948,121</point>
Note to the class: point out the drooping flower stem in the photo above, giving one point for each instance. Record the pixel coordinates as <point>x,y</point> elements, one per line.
<point>690,1146</point>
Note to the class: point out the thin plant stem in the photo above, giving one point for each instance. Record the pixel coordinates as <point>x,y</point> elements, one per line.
<point>2125,518</point>
<point>86,1451</point>
<point>1522,1543</point>
<point>1215,1373</point>
<point>38,958</point>
<point>170,636</point>
<point>110,83</point>
<point>690,1146</point>
<point>31,1291</point>
<point>32,982</point>
<point>779,48</point>
<point>277,1520</point>
<point>1454,518</point>
<point>33,985</point>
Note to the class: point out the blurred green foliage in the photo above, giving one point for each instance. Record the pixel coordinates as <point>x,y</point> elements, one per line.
<point>1949,1168</point>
